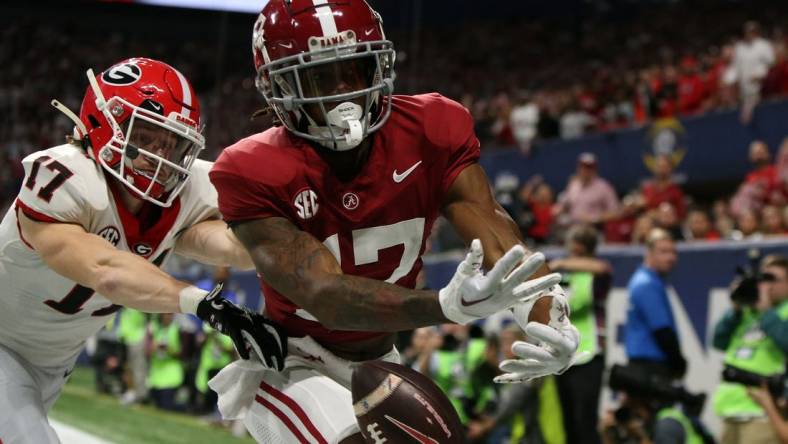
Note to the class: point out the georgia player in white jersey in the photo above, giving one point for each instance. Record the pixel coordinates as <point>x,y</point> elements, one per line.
<point>94,220</point>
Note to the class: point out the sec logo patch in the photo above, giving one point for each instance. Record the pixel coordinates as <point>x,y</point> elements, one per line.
<point>306,204</point>
<point>110,234</point>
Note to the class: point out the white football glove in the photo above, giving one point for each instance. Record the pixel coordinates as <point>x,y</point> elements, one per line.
<point>556,343</point>
<point>471,295</point>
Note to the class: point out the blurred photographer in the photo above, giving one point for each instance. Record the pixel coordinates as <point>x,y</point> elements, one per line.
<point>652,410</point>
<point>754,337</point>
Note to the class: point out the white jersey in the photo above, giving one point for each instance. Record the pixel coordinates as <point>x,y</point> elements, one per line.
<point>45,317</point>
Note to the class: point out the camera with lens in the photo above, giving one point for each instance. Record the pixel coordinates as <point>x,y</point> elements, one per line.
<point>745,286</point>
<point>776,384</point>
<point>655,388</point>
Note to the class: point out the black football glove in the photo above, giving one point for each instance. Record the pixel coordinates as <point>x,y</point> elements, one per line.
<point>247,329</point>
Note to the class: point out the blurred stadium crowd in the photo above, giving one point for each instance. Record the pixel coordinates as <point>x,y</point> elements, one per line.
<point>580,78</point>
<point>755,211</point>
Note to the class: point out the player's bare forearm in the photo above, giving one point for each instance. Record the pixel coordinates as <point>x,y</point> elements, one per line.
<point>302,269</point>
<point>473,212</point>
<point>212,242</point>
<point>89,260</point>
<point>371,305</point>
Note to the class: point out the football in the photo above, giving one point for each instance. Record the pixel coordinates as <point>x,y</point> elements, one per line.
<point>395,404</point>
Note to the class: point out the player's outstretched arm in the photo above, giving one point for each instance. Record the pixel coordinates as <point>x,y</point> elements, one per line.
<point>300,267</point>
<point>129,280</point>
<point>89,260</point>
<point>303,269</point>
<point>474,213</point>
<point>212,242</point>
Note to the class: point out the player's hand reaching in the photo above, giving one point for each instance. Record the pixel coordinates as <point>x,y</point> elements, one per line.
<point>472,295</point>
<point>248,330</point>
<point>555,345</point>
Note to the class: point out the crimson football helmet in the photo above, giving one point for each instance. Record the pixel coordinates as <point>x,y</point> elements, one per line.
<point>325,67</point>
<point>140,120</point>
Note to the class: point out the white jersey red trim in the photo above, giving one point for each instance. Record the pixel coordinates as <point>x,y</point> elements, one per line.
<point>45,317</point>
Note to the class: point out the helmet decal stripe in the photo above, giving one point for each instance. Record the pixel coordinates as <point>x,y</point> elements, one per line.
<point>187,93</point>
<point>258,37</point>
<point>326,16</point>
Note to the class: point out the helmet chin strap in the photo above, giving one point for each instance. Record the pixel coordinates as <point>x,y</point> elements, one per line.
<point>344,119</point>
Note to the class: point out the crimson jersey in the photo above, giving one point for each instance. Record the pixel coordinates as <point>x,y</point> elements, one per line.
<point>375,225</point>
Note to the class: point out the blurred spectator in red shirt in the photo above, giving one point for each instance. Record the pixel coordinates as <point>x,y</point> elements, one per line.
<point>720,91</point>
<point>587,198</point>
<point>537,221</point>
<point>698,227</point>
<point>691,87</point>
<point>775,84</point>
<point>759,184</point>
<point>619,230</point>
<point>667,95</point>
<point>662,188</point>
<point>782,174</point>
<point>761,158</point>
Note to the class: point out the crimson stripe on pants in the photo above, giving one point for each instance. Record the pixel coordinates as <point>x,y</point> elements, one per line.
<point>282,417</point>
<point>296,409</point>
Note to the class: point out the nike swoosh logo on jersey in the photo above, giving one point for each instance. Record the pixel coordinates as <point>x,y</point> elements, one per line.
<point>369,31</point>
<point>400,177</point>
<point>286,45</point>
<point>468,304</point>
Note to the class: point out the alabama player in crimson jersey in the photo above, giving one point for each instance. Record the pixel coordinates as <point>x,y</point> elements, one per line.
<point>335,206</point>
<point>94,220</point>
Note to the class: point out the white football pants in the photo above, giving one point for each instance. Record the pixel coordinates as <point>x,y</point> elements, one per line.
<point>308,403</point>
<point>26,395</point>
